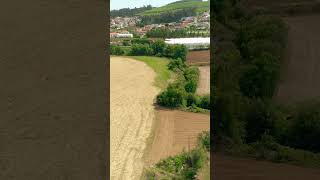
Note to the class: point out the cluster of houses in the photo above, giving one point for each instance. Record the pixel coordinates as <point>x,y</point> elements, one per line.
<point>123,22</point>
<point>117,24</point>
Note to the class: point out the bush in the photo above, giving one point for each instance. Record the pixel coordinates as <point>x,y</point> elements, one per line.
<point>205,102</point>
<point>116,50</point>
<point>141,50</point>
<point>204,140</point>
<point>184,165</point>
<point>176,51</point>
<point>262,118</point>
<point>260,78</point>
<point>192,77</point>
<point>177,64</point>
<point>171,97</point>
<point>191,86</point>
<point>192,99</point>
<point>305,130</point>
<point>125,43</point>
<point>158,47</point>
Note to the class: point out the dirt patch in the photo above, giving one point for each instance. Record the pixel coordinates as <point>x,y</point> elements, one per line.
<point>175,131</point>
<point>204,80</point>
<point>198,57</point>
<point>301,73</point>
<point>132,113</point>
<point>232,168</point>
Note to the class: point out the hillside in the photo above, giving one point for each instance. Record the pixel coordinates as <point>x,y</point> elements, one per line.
<point>200,6</point>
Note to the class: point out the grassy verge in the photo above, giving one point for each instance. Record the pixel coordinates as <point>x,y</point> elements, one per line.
<point>159,65</point>
<point>204,172</point>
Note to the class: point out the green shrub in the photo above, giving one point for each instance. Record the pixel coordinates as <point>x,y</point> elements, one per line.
<point>205,102</point>
<point>263,118</point>
<point>192,99</point>
<point>177,64</point>
<point>116,50</point>
<point>141,50</point>
<point>191,86</point>
<point>204,140</point>
<point>260,78</point>
<point>125,43</point>
<point>158,47</point>
<point>176,51</point>
<point>191,75</point>
<point>140,41</point>
<point>171,97</point>
<point>305,129</point>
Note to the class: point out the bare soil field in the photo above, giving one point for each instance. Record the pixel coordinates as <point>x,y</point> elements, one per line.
<point>233,168</point>
<point>204,80</point>
<point>131,116</point>
<point>175,131</point>
<point>198,57</point>
<point>301,72</point>
<point>53,83</point>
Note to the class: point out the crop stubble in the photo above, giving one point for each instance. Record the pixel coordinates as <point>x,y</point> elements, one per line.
<point>132,113</point>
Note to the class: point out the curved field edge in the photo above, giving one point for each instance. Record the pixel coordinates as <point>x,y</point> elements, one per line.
<point>159,65</point>
<point>132,73</point>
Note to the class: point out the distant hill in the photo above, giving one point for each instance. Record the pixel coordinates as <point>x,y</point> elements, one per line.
<point>127,12</point>
<point>199,5</point>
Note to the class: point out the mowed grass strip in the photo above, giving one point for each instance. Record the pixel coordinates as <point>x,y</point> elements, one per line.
<point>159,65</point>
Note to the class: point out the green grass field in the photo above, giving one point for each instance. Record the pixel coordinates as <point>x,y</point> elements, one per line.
<point>201,6</point>
<point>159,65</point>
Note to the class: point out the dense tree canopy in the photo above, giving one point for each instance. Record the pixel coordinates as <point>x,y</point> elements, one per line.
<point>127,12</point>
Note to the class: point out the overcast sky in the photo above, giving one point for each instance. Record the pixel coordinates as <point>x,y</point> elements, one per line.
<point>119,4</point>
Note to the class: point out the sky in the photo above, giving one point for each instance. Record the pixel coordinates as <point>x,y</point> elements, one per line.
<point>118,4</point>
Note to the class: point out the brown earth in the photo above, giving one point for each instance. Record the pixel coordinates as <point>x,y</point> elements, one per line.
<point>53,90</point>
<point>204,80</point>
<point>198,57</point>
<point>301,73</point>
<point>233,168</point>
<point>175,131</point>
<point>131,115</point>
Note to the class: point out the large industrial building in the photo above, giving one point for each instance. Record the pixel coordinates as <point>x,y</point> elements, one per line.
<point>191,43</point>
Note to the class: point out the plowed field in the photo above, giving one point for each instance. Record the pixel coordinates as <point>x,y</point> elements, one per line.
<point>204,80</point>
<point>175,131</point>
<point>198,57</point>
<point>301,72</point>
<point>132,113</point>
<point>232,168</point>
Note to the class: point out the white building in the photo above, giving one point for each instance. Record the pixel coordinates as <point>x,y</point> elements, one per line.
<point>191,43</point>
<point>124,35</point>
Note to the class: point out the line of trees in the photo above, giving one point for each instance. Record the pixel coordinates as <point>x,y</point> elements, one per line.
<point>145,47</point>
<point>127,12</point>
<point>167,17</point>
<point>248,54</point>
<point>181,93</point>
<point>178,33</point>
